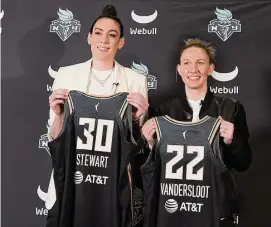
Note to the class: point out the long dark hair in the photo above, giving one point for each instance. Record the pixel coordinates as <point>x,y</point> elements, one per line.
<point>109,11</point>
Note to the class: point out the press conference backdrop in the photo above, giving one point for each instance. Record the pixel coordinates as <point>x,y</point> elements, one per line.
<point>38,37</point>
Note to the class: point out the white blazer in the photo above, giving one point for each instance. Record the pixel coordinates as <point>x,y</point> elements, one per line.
<point>76,77</point>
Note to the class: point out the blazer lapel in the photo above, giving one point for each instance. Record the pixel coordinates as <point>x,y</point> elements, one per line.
<point>120,78</point>
<point>83,73</point>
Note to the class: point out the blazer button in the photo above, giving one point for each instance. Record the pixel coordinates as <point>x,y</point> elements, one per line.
<point>189,117</point>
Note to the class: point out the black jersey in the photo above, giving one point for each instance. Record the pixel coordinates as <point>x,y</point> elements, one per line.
<point>91,159</point>
<point>182,177</point>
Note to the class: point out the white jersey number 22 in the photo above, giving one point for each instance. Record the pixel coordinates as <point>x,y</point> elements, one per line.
<point>199,150</point>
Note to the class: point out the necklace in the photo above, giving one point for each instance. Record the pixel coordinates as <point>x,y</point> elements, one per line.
<point>102,82</point>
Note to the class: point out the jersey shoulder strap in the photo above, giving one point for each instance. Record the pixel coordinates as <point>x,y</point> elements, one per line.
<point>214,130</point>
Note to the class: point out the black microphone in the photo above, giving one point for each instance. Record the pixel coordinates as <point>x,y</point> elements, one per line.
<point>201,102</point>
<point>116,85</point>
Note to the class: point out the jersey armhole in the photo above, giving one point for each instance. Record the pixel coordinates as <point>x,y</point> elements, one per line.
<point>126,112</point>
<point>68,112</point>
<point>70,105</point>
<point>214,141</point>
<point>152,154</point>
<point>214,131</point>
<point>157,130</point>
<point>157,140</point>
<point>130,122</point>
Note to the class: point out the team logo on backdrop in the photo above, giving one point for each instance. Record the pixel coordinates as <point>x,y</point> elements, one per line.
<point>43,141</point>
<point>225,77</point>
<point>143,69</point>
<point>224,26</point>
<point>1,16</point>
<point>65,25</point>
<point>143,20</point>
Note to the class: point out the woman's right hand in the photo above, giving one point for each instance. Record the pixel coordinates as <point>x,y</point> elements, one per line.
<point>148,131</point>
<point>57,99</point>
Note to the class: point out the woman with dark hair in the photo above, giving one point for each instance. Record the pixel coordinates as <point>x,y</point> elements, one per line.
<point>96,204</point>
<point>101,75</point>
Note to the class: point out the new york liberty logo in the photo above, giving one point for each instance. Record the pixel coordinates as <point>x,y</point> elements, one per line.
<point>65,25</point>
<point>224,26</point>
<point>143,69</point>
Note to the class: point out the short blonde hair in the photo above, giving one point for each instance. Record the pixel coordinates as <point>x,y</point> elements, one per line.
<point>196,42</point>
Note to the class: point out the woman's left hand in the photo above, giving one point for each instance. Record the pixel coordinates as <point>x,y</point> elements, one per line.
<point>139,102</point>
<point>226,131</point>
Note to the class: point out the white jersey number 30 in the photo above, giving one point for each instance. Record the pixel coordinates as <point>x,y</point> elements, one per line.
<point>101,124</point>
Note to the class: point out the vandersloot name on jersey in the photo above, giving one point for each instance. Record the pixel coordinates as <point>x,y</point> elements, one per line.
<point>185,190</point>
<point>140,19</point>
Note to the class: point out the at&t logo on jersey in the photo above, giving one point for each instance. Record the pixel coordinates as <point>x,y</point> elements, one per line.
<point>142,69</point>
<point>224,26</point>
<point>65,25</point>
<point>90,178</point>
<point>143,19</point>
<point>78,177</point>
<point>171,206</point>
<point>225,77</point>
